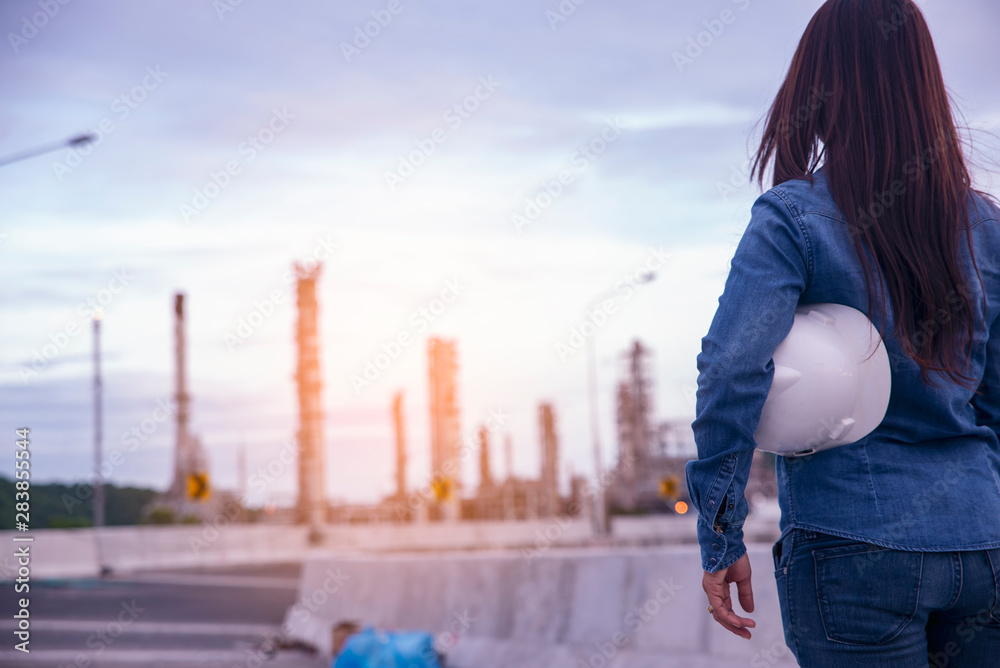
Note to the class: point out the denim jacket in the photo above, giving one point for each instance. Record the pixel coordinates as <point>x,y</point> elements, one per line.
<point>928,477</point>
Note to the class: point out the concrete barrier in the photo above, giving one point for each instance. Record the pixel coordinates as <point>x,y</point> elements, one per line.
<point>437,536</point>
<point>58,553</point>
<point>627,608</point>
<point>69,553</point>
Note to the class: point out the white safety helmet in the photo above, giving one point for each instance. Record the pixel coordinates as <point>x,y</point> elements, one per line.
<point>829,389</point>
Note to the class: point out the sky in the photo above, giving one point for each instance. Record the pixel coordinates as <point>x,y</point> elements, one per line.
<point>472,170</point>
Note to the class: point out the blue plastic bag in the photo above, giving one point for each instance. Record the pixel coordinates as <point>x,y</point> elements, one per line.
<point>388,649</point>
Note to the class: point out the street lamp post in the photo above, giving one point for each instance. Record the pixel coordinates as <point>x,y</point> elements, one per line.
<point>601,524</point>
<point>98,427</point>
<point>600,510</point>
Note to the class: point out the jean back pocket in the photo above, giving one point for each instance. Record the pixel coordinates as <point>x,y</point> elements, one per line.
<point>867,594</point>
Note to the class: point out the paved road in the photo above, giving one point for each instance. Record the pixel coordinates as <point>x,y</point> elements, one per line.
<point>205,618</point>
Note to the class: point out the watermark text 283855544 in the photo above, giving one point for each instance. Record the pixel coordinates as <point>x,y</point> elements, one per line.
<point>22,508</point>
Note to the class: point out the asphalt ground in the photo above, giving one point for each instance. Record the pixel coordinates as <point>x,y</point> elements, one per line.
<point>219,617</point>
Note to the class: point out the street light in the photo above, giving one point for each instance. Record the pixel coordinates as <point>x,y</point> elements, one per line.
<point>601,526</point>
<point>72,142</point>
<point>98,444</point>
<point>98,425</point>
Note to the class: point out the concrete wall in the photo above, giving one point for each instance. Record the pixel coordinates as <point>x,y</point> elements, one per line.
<point>78,552</point>
<point>62,553</point>
<point>627,608</point>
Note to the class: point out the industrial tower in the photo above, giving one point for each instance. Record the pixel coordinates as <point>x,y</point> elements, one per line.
<point>311,509</point>
<point>649,475</point>
<point>550,460</point>
<point>446,462</point>
<point>190,485</point>
<point>635,420</point>
<point>397,418</point>
<point>485,473</point>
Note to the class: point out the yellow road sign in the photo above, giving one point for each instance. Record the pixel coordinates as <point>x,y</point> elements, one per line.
<point>442,489</point>
<point>670,487</point>
<point>197,487</point>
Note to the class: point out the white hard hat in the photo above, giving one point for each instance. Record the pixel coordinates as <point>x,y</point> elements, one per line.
<point>831,383</point>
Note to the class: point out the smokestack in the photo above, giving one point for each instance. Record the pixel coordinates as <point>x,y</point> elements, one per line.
<point>311,497</point>
<point>181,454</point>
<point>550,460</point>
<point>508,456</point>
<point>485,476</point>
<point>397,416</point>
<point>98,427</point>
<point>445,438</point>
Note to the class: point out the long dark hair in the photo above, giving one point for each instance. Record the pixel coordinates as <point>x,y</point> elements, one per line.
<point>864,96</point>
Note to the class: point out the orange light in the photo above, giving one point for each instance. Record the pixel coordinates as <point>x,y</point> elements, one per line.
<point>680,507</point>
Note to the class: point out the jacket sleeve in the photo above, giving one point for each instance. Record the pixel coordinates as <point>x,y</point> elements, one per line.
<point>768,274</point>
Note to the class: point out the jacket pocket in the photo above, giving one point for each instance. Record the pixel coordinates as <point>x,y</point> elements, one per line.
<point>867,594</point>
<point>781,551</point>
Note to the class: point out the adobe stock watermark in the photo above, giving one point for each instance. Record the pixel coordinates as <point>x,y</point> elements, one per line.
<point>739,177</point>
<point>580,161</point>
<point>913,169</point>
<point>702,41</point>
<point>121,108</point>
<point>636,618</point>
<point>902,12</point>
<point>562,12</point>
<point>263,309</point>
<point>422,494</point>
<point>781,305</point>
<point>460,625</point>
<point>967,630</point>
<point>554,530</point>
<point>778,651</point>
<point>364,34</point>
<point>929,328</point>
<point>247,150</point>
<point>60,338</point>
<point>223,7</point>
<point>454,117</point>
<point>105,637</point>
<point>31,25</point>
<point>259,481</point>
<point>599,315</point>
<point>305,607</point>
<point>419,321</point>
<point>130,441</point>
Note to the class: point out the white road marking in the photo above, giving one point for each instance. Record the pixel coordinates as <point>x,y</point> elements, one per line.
<point>195,580</point>
<point>157,628</point>
<point>136,657</point>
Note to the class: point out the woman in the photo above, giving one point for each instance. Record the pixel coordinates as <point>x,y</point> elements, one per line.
<point>889,553</point>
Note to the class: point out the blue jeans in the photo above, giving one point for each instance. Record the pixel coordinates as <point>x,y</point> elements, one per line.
<point>846,604</point>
